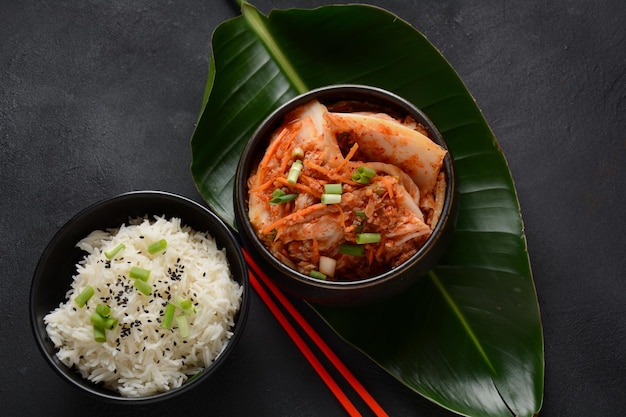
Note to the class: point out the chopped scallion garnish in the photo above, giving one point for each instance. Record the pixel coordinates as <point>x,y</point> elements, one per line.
<point>185,304</point>
<point>297,152</point>
<point>333,189</point>
<point>352,250</point>
<point>97,320</point>
<point>157,246</point>
<point>143,287</point>
<point>360,213</point>
<point>139,273</point>
<point>363,238</point>
<point>103,322</point>
<point>183,326</point>
<point>317,275</point>
<point>99,334</point>
<point>114,251</point>
<point>294,171</point>
<point>104,310</point>
<point>110,323</point>
<point>280,197</point>
<point>168,316</point>
<point>84,296</point>
<point>192,377</point>
<point>331,198</point>
<point>363,175</point>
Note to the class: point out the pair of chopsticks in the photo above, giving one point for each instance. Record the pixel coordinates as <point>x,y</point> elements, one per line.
<point>256,275</point>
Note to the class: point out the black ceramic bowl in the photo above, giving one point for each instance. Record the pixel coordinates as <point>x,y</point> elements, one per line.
<point>57,266</point>
<point>375,288</point>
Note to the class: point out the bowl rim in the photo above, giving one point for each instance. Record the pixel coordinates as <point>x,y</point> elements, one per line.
<point>269,124</point>
<point>90,388</point>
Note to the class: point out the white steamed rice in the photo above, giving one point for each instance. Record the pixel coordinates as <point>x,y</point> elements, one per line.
<point>140,357</point>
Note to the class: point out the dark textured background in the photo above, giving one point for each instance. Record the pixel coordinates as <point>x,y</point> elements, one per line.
<point>99,98</point>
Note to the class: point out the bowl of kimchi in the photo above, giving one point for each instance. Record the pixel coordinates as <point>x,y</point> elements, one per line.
<point>346,195</point>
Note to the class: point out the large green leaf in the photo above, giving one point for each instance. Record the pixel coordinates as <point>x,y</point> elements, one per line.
<point>469,337</point>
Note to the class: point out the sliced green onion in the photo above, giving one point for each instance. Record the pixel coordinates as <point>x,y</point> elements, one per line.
<point>352,250</point>
<point>279,197</point>
<point>114,251</point>
<point>363,238</point>
<point>143,287</point>
<point>360,213</point>
<point>366,172</point>
<point>139,273</point>
<point>84,296</point>
<point>361,180</point>
<point>297,152</point>
<point>317,275</point>
<point>97,320</point>
<point>183,326</point>
<point>192,377</point>
<point>104,310</point>
<point>157,246</point>
<point>331,198</point>
<point>333,188</point>
<point>363,175</point>
<point>185,304</point>
<point>110,323</point>
<point>99,334</point>
<point>168,316</point>
<point>188,307</point>
<point>294,171</point>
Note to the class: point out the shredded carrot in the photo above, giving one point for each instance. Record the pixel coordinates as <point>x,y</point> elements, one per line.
<point>300,213</point>
<point>332,174</point>
<point>387,183</point>
<point>316,252</point>
<point>311,182</point>
<point>349,156</point>
<point>286,159</point>
<point>262,187</point>
<point>317,168</point>
<point>298,186</point>
<point>281,140</point>
<point>342,218</point>
<point>269,153</point>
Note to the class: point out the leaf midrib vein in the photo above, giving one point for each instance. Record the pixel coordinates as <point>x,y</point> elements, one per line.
<point>251,15</point>
<point>464,323</point>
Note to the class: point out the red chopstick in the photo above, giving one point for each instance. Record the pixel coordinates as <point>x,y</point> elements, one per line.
<point>316,338</point>
<point>306,351</point>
